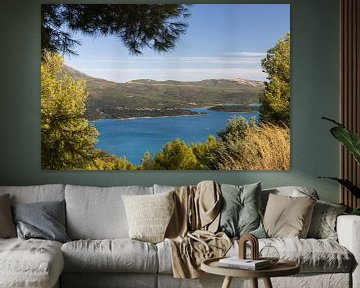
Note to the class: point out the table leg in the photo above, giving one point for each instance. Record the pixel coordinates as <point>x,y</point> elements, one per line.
<point>267,283</point>
<point>254,282</point>
<point>227,282</point>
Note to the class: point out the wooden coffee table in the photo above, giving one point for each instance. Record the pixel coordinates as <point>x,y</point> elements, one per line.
<point>281,268</point>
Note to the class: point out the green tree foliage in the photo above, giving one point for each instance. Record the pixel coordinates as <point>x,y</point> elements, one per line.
<point>213,153</point>
<point>67,139</point>
<point>275,102</point>
<point>205,152</point>
<point>156,26</point>
<point>147,162</point>
<point>175,155</point>
<point>242,145</point>
<point>234,129</point>
<point>106,161</point>
<point>227,148</point>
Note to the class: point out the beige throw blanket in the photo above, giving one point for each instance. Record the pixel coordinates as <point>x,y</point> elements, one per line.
<point>190,232</point>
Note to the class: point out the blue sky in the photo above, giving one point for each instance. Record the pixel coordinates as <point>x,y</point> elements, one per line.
<point>222,41</point>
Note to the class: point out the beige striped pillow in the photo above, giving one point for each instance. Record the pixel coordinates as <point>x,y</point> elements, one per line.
<point>149,215</point>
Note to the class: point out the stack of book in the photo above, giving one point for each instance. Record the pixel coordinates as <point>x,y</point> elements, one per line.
<point>248,264</point>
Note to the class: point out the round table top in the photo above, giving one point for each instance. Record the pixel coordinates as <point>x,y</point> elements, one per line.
<point>281,268</point>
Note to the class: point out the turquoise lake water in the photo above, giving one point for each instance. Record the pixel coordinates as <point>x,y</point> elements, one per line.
<point>133,137</point>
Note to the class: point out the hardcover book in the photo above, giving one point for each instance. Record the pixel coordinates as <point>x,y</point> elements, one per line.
<point>236,262</point>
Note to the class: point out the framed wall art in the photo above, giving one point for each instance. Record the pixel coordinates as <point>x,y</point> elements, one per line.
<point>165,86</point>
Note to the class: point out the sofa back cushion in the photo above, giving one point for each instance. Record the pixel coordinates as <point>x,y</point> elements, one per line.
<point>163,188</point>
<point>36,193</point>
<point>98,213</point>
<point>7,226</point>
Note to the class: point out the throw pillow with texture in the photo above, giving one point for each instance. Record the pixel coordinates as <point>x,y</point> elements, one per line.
<point>43,220</point>
<point>323,222</point>
<point>7,226</point>
<point>240,213</point>
<point>288,217</point>
<point>149,215</point>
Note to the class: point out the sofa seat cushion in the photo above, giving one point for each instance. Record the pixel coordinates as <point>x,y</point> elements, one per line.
<point>115,255</point>
<point>313,255</point>
<point>30,263</point>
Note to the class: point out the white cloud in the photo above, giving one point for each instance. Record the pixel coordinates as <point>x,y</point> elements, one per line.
<point>220,60</point>
<point>246,54</point>
<point>186,68</point>
<point>182,74</point>
<point>226,58</point>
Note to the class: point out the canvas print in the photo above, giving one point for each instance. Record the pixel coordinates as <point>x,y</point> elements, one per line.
<point>165,86</point>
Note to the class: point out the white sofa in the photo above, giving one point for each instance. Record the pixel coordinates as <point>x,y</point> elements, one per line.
<point>101,255</point>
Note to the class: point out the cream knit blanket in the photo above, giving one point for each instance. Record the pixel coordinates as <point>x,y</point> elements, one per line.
<point>191,231</point>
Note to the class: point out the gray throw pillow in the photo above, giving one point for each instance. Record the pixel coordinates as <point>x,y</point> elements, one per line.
<point>240,213</point>
<point>43,220</point>
<point>7,227</point>
<point>323,222</point>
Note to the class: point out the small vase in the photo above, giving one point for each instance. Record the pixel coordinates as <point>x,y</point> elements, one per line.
<point>270,253</point>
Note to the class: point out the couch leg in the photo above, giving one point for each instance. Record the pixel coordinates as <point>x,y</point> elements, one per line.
<point>227,282</point>
<point>267,283</point>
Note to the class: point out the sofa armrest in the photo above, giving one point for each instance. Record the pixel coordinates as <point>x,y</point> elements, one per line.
<point>348,230</point>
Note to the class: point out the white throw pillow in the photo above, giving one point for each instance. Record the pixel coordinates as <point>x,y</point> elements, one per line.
<point>149,215</point>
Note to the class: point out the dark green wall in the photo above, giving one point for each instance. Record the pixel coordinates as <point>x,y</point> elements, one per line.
<point>315,74</point>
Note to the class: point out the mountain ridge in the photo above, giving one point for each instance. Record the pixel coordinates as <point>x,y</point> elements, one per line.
<point>153,98</point>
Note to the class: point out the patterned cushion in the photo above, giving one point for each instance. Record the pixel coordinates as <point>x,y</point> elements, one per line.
<point>323,223</point>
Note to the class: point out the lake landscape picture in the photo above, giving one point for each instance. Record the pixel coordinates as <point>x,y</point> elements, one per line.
<point>165,87</point>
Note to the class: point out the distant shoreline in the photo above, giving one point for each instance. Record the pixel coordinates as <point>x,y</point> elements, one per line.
<point>149,117</point>
<point>184,112</point>
<point>126,113</point>
<point>234,108</point>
